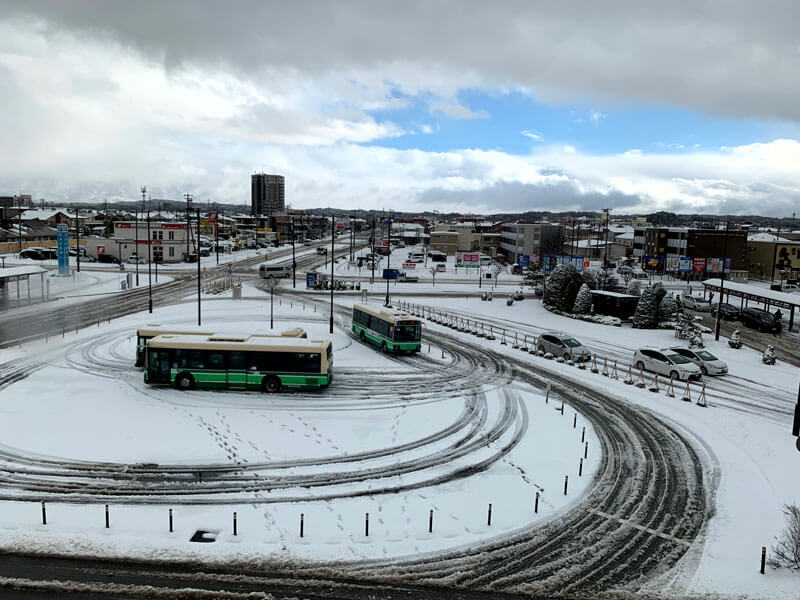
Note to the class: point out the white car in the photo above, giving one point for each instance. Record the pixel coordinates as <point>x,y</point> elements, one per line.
<point>134,259</point>
<point>666,362</point>
<point>708,363</point>
<point>696,303</point>
<point>561,344</point>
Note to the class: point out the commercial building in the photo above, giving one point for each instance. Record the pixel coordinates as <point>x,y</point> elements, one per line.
<point>168,242</point>
<point>267,194</point>
<point>773,259</point>
<point>531,239</point>
<point>670,244</point>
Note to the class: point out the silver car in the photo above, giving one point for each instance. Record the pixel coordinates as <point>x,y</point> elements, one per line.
<point>708,363</point>
<point>666,362</point>
<point>696,303</point>
<point>561,344</point>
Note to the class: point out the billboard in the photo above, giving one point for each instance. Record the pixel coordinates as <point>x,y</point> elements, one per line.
<point>468,259</point>
<point>550,262</point>
<point>653,263</point>
<point>311,280</point>
<point>698,264</point>
<point>714,265</point>
<point>62,247</point>
<point>685,264</point>
<point>523,260</point>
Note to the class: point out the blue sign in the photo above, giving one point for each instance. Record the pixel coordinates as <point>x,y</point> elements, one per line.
<point>311,280</point>
<point>727,265</point>
<point>685,264</point>
<point>62,247</point>
<point>550,262</point>
<point>390,273</point>
<point>523,260</point>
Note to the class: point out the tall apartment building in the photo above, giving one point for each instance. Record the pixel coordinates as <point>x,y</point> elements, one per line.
<point>267,194</point>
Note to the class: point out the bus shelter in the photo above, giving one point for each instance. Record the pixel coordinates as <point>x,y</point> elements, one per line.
<point>12,278</point>
<point>751,293</point>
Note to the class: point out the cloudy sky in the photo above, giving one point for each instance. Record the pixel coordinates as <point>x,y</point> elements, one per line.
<point>469,106</point>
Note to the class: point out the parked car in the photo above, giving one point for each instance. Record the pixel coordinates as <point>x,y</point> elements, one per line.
<point>561,344</point>
<point>728,312</point>
<point>33,253</point>
<point>440,268</point>
<point>696,303</point>
<point>708,363</point>
<point>666,362</point>
<point>760,319</point>
<point>136,259</point>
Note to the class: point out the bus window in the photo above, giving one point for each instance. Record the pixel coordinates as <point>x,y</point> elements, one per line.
<point>237,361</point>
<point>407,333</point>
<point>216,360</point>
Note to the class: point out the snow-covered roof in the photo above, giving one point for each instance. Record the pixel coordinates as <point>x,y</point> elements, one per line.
<point>767,237</point>
<point>744,288</point>
<point>42,215</point>
<point>628,235</point>
<point>17,271</point>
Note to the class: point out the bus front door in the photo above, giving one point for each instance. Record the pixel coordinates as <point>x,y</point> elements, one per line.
<point>237,370</point>
<point>158,367</point>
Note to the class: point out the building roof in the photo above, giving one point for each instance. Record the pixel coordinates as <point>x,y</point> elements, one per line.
<point>767,237</point>
<point>17,271</point>
<point>628,235</point>
<point>42,215</point>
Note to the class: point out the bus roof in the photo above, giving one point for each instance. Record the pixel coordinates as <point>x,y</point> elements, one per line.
<point>252,343</point>
<point>153,329</point>
<point>387,315</point>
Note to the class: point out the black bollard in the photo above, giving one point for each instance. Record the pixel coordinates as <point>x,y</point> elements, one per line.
<point>107,523</point>
<point>235,530</point>
<point>536,503</point>
<point>566,482</point>
<point>583,435</point>
<point>301,524</point>
<point>763,558</point>
<point>586,450</point>
<point>430,522</point>
<point>580,469</point>
<point>170,520</point>
<point>366,525</point>
<point>44,514</point>
<point>575,420</point>
<point>489,519</point>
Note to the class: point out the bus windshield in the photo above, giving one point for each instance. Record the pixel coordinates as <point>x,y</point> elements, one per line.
<point>407,333</point>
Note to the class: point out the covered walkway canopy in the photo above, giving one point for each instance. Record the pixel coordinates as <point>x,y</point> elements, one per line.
<point>748,293</point>
<point>17,275</point>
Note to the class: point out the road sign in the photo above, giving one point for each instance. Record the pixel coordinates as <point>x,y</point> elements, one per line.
<point>311,280</point>
<point>62,248</point>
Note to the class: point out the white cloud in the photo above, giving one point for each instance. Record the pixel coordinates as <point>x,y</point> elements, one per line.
<point>533,134</point>
<point>456,111</point>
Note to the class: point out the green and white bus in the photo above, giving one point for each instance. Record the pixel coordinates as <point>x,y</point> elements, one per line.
<point>151,330</point>
<point>390,331</point>
<point>254,362</point>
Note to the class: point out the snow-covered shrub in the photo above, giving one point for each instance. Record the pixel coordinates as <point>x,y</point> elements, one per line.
<point>668,308</point>
<point>589,278</point>
<point>583,301</point>
<point>736,339</point>
<point>634,288</point>
<point>562,286</point>
<point>647,313</point>
<point>787,547</point>
<point>768,358</point>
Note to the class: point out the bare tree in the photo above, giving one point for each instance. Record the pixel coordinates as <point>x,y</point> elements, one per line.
<point>787,547</point>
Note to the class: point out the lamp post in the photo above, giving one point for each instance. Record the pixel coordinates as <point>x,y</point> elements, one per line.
<point>388,258</point>
<point>372,243</point>
<point>294,262</point>
<point>136,223</point>
<point>721,285</point>
<point>197,241</point>
<point>333,224</point>
<point>271,303</point>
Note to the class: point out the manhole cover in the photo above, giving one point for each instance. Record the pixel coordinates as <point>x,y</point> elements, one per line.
<point>204,537</point>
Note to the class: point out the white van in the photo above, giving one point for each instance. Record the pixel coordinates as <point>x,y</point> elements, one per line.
<point>270,271</point>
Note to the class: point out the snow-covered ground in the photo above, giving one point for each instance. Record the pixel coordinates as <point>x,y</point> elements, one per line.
<point>87,403</point>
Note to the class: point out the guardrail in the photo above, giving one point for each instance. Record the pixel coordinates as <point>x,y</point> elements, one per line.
<point>611,367</point>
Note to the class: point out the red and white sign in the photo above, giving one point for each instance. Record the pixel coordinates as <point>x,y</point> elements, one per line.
<point>468,257</point>
<point>101,249</point>
<point>409,265</point>
<point>212,216</point>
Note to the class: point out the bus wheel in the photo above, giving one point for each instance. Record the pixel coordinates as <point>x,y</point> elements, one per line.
<point>383,347</point>
<point>271,385</point>
<point>184,381</point>
<point>362,337</point>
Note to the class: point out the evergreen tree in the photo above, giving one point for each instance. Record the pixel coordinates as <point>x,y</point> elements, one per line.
<point>634,288</point>
<point>583,301</point>
<point>736,339</point>
<point>668,308</point>
<point>589,278</point>
<point>646,315</point>
<point>532,275</point>
<point>561,287</point>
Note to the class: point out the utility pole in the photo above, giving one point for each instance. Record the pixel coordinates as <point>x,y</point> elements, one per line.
<point>78,238</point>
<point>188,198</point>
<point>199,322</point>
<point>372,242</point>
<point>388,257</point>
<point>721,284</point>
<point>136,223</point>
<point>333,237</point>
<point>19,221</point>
<point>294,262</point>
<point>149,257</point>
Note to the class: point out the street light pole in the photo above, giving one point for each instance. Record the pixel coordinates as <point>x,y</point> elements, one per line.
<point>197,242</point>
<point>294,262</point>
<point>333,222</point>
<point>372,241</point>
<point>149,267</point>
<point>388,257</point>
<point>136,222</point>
<point>271,303</point>
<point>721,284</point>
